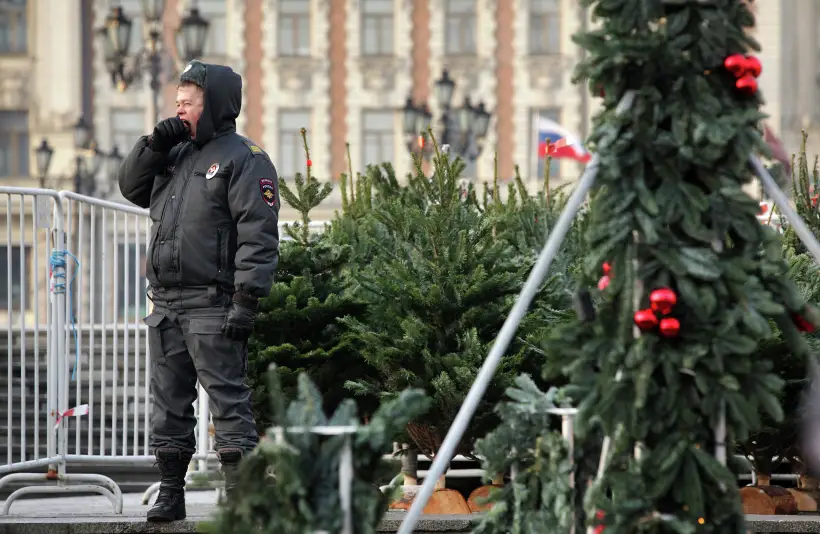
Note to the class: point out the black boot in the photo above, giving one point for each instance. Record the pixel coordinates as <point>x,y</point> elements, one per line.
<point>229,458</point>
<point>170,504</point>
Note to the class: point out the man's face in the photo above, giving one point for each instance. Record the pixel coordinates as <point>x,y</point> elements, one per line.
<point>190,102</point>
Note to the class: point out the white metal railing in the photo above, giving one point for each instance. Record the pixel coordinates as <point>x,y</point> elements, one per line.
<point>78,372</point>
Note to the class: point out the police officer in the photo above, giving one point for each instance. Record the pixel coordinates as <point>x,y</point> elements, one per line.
<point>214,203</point>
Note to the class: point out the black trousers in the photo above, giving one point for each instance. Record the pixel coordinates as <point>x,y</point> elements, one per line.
<point>186,343</point>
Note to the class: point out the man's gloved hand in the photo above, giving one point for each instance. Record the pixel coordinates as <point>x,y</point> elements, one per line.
<point>167,134</point>
<point>240,318</point>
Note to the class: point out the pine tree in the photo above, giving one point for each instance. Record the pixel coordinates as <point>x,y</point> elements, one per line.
<point>291,482</point>
<point>676,228</point>
<point>776,444</point>
<point>298,325</point>
<point>538,499</point>
<point>442,275</point>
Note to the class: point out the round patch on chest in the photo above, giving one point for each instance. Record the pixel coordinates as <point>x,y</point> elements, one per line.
<point>212,171</point>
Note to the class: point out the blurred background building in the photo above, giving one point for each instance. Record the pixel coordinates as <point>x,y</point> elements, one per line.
<point>81,88</point>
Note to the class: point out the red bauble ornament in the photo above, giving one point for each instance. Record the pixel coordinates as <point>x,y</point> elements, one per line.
<point>663,300</point>
<point>669,327</point>
<point>309,163</point>
<point>747,84</point>
<point>606,267</point>
<point>600,515</point>
<point>753,66</point>
<point>603,282</point>
<point>802,324</point>
<point>736,64</point>
<point>645,319</point>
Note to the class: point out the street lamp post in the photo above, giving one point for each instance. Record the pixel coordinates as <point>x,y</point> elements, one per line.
<point>115,37</point>
<point>463,129</point>
<point>88,160</point>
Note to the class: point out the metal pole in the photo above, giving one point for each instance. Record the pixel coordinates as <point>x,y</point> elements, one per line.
<point>776,194</point>
<point>517,313</point>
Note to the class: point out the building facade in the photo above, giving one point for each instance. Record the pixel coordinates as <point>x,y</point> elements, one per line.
<point>341,69</point>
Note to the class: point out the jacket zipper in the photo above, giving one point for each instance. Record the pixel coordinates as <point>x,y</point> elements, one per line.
<point>182,199</point>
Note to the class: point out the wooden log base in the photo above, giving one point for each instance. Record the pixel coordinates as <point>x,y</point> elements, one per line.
<point>442,501</point>
<point>767,500</point>
<point>474,501</point>
<point>806,500</point>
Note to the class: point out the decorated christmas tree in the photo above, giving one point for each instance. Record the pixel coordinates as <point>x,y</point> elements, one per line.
<point>666,367</point>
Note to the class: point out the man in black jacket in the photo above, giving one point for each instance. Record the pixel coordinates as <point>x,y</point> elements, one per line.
<point>214,202</point>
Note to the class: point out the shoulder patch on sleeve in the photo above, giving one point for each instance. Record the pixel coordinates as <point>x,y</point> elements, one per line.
<point>268,191</point>
<point>255,150</point>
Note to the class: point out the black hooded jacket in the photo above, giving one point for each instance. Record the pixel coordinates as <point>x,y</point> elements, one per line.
<point>214,201</point>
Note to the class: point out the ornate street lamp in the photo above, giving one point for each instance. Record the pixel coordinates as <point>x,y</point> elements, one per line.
<point>82,134</point>
<point>115,38</point>
<point>89,160</point>
<point>463,129</point>
<point>42,157</point>
<point>193,32</point>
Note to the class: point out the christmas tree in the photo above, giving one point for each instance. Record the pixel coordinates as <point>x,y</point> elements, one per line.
<point>297,326</point>
<point>292,482</point>
<point>776,445</point>
<point>666,367</point>
<point>443,273</point>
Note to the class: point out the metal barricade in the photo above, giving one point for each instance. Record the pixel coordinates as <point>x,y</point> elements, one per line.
<point>78,366</point>
<point>41,211</point>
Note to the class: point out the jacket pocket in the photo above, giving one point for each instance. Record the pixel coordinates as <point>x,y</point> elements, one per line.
<point>222,245</point>
<point>206,325</point>
<point>156,352</point>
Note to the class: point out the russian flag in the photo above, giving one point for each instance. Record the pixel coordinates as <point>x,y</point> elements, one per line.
<point>558,142</point>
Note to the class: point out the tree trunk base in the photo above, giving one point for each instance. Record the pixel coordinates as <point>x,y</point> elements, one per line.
<point>768,500</point>
<point>442,501</point>
<point>474,501</point>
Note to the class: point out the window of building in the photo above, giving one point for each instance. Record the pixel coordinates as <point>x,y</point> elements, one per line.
<point>14,144</point>
<point>378,136</point>
<point>377,27</point>
<point>15,283</point>
<point>541,134</point>
<point>545,27</point>
<point>294,28</point>
<point>214,12</point>
<point>291,148</point>
<point>131,281</point>
<point>13,27</point>
<point>127,125</point>
<point>460,25</point>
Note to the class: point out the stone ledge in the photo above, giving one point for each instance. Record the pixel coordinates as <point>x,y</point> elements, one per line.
<point>455,524</point>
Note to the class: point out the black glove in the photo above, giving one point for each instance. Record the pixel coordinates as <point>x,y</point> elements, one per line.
<point>167,134</point>
<point>240,318</point>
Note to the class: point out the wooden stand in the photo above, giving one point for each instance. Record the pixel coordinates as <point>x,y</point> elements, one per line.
<point>474,501</point>
<point>442,501</point>
<point>765,499</point>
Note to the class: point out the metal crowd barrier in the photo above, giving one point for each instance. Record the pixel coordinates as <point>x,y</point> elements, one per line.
<point>78,366</point>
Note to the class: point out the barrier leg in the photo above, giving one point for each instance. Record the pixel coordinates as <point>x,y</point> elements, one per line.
<point>104,486</point>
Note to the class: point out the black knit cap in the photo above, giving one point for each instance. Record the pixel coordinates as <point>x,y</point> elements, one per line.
<point>194,72</point>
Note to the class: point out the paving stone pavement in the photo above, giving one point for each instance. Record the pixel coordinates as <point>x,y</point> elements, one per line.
<point>95,515</point>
